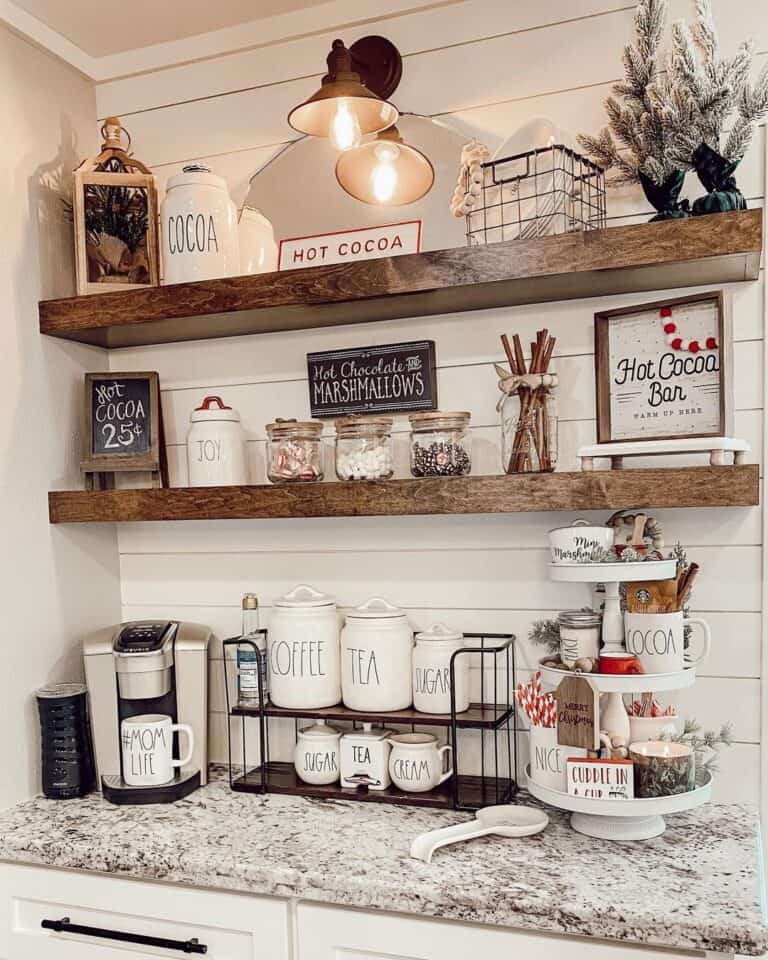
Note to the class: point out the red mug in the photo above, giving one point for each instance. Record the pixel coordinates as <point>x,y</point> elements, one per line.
<point>625,665</point>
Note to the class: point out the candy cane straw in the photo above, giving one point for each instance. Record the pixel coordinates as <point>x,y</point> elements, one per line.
<point>537,683</point>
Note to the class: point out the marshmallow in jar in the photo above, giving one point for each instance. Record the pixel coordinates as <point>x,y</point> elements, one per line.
<point>304,650</point>
<point>316,757</point>
<point>199,228</point>
<point>216,449</point>
<point>432,671</point>
<point>376,657</point>
<point>364,448</point>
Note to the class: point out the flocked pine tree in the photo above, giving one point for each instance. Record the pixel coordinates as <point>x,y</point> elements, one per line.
<point>636,144</point>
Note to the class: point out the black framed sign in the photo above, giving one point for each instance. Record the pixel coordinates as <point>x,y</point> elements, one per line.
<point>663,370</point>
<point>394,378</point>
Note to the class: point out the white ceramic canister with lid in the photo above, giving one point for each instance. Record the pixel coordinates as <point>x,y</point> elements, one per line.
<point>303,646</point>
<point>199,227</point>
<point>365,758</point>
<point>256,236</point>
<point>432,671</point>
<point>216,449</point>
<point>376,657</point>
<point>316,756</point>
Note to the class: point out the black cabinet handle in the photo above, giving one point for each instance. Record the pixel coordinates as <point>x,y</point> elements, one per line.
<point>184,946</point>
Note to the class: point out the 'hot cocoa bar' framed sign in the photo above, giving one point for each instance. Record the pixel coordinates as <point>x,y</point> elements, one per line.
<point>395,377</point>
<point>663,370</point>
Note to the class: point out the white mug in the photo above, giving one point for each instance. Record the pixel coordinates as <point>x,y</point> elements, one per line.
<point>548,758</point>
<point>148,749</point>
<point>416,762</point>
<point>657,640</point>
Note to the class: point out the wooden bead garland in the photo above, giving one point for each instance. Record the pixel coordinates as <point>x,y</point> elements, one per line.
<point>473,155</point>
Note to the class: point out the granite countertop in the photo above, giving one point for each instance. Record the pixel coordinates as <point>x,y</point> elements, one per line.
<point>699,886</point>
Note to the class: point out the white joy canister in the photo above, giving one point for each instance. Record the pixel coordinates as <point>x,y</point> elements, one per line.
<point>304,650</point>
<point>216,449</point>
<point>316,757</point>
<point>199,228</point>
<point>376,657</point>
<point>432,671</point>
<point>258,250</point>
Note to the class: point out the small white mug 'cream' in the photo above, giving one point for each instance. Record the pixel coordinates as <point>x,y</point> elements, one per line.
<point>416,762</point>
<point>147,742</point>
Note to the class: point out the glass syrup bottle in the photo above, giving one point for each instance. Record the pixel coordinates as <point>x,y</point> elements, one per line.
<point>247,660</point>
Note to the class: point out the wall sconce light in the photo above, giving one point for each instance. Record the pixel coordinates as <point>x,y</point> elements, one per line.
<point>386,171</point>
<point>352,100</point>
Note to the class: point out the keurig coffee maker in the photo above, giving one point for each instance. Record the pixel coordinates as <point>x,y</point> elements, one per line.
<point>157,669</point>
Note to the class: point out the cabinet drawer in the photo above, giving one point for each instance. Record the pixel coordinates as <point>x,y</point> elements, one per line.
<point>130,920</point>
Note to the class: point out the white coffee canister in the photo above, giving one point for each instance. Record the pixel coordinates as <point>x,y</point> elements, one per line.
<point>216,448</point>
<point>304,650</point>
<point>365,758</point>
<point>258,250</point>
<point>432,671</point>
<point>316,756</point>
<point>376,657</point>
<point>199,228</point>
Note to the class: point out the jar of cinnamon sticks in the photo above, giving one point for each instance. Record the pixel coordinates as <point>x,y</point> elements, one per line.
<point>528,407</point>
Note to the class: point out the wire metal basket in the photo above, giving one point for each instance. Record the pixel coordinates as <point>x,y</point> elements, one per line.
<point>539,193</point>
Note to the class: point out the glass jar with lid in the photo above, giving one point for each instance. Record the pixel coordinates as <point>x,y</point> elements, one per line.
<point>294,450</point>
<point>580,638</point>
<point>529,431</point>
<point>440,444</point>
<point>364,448</point>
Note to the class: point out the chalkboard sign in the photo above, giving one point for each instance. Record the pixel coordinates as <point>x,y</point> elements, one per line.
<point>122,424</point>
<point>396,377</point>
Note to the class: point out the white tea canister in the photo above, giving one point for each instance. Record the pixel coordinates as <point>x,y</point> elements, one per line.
<point>432,671</point>
<point>316,756</point>
<point>199,227</point>
<point>376,657</point>
<point>365,758</point>
<point>216,448</point>
<point>304,650</point>
<point>258,250</point>
<point>576,543</point>
<point>417,762</point>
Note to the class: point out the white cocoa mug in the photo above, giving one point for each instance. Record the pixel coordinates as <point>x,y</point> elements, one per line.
<point>416,762</point>
<point>147,743</point>
<point>657,640</point>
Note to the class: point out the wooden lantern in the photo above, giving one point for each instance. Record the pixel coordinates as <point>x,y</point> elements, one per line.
<point>114,204</point>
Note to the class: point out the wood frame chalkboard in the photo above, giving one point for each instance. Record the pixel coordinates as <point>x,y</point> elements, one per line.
<point>672,425</point>
<point>98,464</point>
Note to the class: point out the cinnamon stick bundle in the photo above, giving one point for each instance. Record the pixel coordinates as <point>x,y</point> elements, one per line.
<point>532,433</point>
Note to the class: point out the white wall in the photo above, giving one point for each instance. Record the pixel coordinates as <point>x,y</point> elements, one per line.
<point>487,66</point>
<point>57,582</point>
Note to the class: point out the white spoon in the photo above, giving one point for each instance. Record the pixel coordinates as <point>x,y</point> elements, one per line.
<point>506,820</point>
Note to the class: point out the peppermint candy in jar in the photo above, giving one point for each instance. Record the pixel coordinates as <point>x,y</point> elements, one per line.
<point>364,448</point>
<point>294,450</point>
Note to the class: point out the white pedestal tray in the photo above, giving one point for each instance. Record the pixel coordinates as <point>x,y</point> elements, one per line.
<point>626,684</point>
<point>611,575</point>
<point>638,819</point>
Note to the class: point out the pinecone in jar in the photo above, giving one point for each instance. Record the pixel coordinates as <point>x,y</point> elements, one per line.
<point>442,458</point>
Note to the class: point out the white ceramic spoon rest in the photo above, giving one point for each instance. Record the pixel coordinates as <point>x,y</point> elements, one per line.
<point>505,820</point>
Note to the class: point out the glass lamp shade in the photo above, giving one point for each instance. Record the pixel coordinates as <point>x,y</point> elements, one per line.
<point>385,172</point>
<point>343,110</point>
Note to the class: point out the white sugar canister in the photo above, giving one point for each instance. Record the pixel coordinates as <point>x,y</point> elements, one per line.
<point>216,448</point>
<point>432,671</point>
<point>316,756</point>
<point>199,227</point>
<point>376,655</point>
<point>304,650</point>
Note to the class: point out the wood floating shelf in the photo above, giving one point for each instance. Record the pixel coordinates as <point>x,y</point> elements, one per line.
<point>479,716</point>
<point>282,778</point>
<point>731,486</point>
<point>715,249</point>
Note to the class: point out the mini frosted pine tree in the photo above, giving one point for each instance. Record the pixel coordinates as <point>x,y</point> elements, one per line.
<point>636,143</point>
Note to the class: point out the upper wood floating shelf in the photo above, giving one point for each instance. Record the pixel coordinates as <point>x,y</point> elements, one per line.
<point>715,249</point>
<point>600,490</point>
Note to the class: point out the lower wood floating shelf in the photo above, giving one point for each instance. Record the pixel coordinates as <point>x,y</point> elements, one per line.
<point>731,486</point>
<point>282,778</point>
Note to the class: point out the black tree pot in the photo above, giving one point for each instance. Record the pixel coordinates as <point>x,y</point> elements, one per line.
<point>665,197</point>
<point>716,176</point>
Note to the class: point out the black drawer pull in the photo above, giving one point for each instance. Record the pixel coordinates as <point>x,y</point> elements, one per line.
<point>184,946</point>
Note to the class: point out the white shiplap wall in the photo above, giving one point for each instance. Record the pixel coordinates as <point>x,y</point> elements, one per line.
<point>487,66</point>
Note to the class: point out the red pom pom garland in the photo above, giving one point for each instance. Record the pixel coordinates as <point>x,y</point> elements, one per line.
<point>677,342</point>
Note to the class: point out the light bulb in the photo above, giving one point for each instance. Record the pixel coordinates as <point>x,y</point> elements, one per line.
<point>384,174</point>
<point>345,127</point>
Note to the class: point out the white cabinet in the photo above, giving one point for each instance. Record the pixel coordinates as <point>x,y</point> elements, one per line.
<point>132,916</point>
<point>328,933</point>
